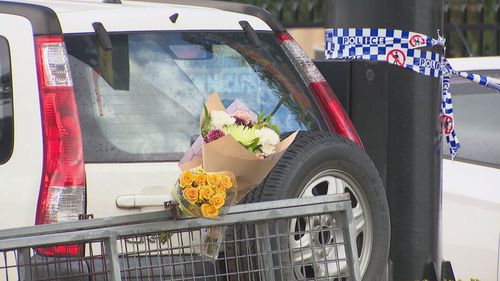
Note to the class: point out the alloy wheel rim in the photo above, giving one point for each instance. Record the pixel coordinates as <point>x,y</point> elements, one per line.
<point>318,236</point>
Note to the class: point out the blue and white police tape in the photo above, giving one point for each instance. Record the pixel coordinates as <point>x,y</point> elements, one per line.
<point>401,48</point>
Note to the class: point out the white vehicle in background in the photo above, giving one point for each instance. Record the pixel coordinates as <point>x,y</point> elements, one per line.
<point>471,183</point>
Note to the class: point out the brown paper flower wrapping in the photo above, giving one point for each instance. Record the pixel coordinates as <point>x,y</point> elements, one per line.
<point>226,154</point>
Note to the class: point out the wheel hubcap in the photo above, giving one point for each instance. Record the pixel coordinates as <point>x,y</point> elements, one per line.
<point>317,236</point>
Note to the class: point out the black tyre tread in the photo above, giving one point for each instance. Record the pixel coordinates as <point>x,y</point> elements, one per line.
<point>306,144</point>
<point>302,143</point>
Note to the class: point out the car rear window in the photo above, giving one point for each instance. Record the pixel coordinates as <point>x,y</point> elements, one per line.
<point>477,118</point>
<point>141,100</point>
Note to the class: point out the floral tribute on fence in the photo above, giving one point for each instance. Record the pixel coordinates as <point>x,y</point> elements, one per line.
<point>236,139</point>
<point>234,153</point>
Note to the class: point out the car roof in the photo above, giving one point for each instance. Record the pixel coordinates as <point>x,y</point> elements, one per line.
<point>77,16</point>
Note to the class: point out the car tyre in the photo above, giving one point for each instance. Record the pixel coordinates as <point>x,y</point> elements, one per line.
<point>320,163</point>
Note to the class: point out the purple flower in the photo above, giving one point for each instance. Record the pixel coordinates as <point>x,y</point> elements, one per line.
<point>213,135</point>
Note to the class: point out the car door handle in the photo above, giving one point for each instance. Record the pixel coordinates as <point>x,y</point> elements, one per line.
<point>138,200</point>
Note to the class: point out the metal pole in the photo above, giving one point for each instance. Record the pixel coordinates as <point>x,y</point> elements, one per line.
<point>350,240</point>
<point>24,264</point>
<point>406,145</point>
<point>264,251</point>
<point>112,261</point>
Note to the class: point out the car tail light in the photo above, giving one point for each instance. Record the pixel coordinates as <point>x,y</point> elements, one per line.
<point>331,109</point>
<point>62,190</point>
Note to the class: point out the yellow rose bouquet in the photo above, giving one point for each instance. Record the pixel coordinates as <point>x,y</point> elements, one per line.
<point>201,194</point>
<point>207,195</point>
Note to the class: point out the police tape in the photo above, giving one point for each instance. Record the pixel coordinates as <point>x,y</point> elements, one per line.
<point>402,48</point>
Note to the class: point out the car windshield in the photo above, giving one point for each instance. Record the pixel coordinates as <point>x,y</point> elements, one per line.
<point>141,99</point>
<point>477,119</point>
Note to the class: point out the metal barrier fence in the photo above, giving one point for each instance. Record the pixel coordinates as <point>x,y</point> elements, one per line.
<point>295,239</point>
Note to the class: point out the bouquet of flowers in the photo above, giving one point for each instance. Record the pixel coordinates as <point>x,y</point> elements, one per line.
<point>237,140</point>
<point>232,139</point>
<point>259,138</point>
<point>207,195</point>
<point>201,194</point>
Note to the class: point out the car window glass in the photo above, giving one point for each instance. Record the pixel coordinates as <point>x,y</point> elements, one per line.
<point>6,122</point>
<point>477,120</point>
<point>148,108</point>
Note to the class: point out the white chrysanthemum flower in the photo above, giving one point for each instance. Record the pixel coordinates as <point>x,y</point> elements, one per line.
<point>268,149</point>
<point>219,119</point>
<point>267,136</point>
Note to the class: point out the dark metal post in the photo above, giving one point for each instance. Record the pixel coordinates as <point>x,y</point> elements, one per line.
<point>481,20</point>
<point>397,114</point>
<point>497,22</point>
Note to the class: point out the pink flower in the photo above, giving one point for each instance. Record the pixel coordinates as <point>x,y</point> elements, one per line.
<point>242,118</point>
<point>213,135</point>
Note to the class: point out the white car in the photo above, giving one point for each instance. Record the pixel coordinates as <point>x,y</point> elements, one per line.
<point>471,183</point>
<point>100,99</point>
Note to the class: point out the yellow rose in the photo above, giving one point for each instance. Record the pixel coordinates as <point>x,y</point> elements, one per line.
<point>191,194</point>
<point>226,181</point>
<point>206,192</point>
<point>209,211</point>
<point>213,179</point>
<point>217,201</point>
<point>186,179</point>
<point>200,179</point>
<point>220,190</point>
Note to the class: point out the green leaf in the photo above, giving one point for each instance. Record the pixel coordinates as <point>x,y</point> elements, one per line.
<point>254,144</point>
<point>206,124</point>
<point>261,117</point>
<point>268,118</point>
<point>275,128</point>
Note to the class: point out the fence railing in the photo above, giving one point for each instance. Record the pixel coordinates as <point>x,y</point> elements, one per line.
<point>295,239</point>
<point>472,27</point>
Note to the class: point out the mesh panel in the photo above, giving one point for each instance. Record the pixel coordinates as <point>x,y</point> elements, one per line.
<point>307,247</point>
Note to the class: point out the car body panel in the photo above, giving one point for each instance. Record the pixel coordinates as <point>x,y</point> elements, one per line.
<point>20,176</point>
<point>78,16</point>
<point>106,183</point>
